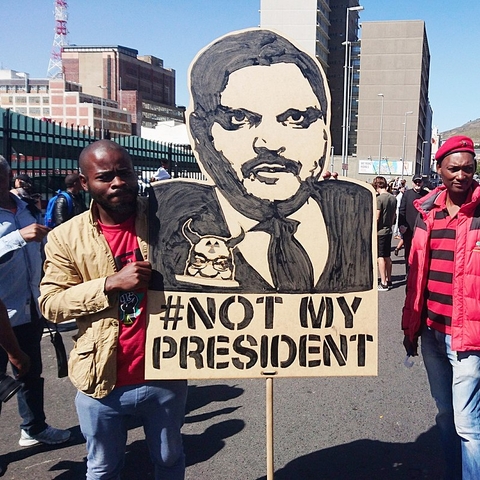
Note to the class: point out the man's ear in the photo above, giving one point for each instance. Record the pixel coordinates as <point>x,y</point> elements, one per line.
<point>83,182</point>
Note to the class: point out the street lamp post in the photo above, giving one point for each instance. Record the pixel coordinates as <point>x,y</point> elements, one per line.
<point>346,91</point>
<point>404,141</point>
<point>381,132</point>
<point>101,109</point>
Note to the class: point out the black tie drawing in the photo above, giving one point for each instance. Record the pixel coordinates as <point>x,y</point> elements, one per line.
<point>290,266</point>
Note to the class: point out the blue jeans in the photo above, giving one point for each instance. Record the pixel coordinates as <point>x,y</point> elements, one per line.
<point>103,421</point>
<point>30,396</point>
<point>454,379</point>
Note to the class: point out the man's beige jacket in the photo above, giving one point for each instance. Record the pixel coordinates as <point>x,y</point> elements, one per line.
<point>78,261</point>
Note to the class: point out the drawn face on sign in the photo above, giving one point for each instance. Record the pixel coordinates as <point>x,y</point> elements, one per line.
<point>273,140</point>
<point>259,121</point>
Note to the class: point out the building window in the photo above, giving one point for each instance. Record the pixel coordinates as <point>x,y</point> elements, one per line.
<point>21,100</point>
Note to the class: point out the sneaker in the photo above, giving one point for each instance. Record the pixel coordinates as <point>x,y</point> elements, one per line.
<point>382,287</point>
<point>49,436</point>
<point>389,285</point>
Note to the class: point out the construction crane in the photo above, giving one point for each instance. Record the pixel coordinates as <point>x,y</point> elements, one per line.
<point>59,40</point>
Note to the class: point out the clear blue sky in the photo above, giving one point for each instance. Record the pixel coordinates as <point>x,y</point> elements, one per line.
<point>175,30</point>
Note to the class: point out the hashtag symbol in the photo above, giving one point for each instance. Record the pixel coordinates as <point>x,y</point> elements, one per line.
<point>172,309</point>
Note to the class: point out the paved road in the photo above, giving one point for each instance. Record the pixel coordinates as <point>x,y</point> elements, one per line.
<point>376,428</point>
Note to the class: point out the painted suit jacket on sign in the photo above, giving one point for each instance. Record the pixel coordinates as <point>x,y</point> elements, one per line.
<point>347,209</point>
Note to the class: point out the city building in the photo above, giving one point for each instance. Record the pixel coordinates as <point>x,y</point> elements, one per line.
<point>320,28</point>
<point>62,102</point>
<point>394,114</point>
<point>141,85</point>
<point>304,21</point>
<point>378,85</point>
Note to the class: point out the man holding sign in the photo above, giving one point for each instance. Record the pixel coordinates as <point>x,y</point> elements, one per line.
<point>96,272</point>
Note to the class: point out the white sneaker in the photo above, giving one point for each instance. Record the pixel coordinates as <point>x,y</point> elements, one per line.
<point>50,436</point>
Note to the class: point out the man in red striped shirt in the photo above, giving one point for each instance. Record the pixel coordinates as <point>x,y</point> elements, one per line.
<point>442,304</point>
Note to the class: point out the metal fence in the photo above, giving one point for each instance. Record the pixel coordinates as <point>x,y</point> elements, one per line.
<point>47,152</point>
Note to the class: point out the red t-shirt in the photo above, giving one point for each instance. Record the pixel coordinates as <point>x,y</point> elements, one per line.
<point>123,243</point>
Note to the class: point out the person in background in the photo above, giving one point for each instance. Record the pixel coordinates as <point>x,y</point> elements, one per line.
<point>20,272</point>
<point>162,172</point>
<point>442,303</point>
<point>23,189</point>
<point>407,214</point>
<point>386,208</point>
<point>96,271</point>
<point>62,212</point>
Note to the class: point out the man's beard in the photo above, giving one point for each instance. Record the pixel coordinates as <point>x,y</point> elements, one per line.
<point>122,208</point>
<point>226,179</point>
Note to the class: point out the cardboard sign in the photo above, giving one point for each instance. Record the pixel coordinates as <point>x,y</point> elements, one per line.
<point>267,268</point>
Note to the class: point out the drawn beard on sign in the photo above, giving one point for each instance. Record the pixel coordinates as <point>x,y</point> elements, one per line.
<point>254,207</point>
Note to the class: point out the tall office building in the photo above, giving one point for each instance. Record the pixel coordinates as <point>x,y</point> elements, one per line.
<point>319,27</point>
<point>343,58</point>
<point>394,116</point>
<point>304,21</point>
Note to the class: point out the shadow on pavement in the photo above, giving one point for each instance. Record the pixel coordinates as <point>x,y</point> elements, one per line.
<point>138,466</point>
<point>370,460</point>
<point>199,396</point>
<point>76,438</point>
<point>199,448</point>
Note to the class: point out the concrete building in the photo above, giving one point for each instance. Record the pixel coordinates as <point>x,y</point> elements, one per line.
<point>61,102</point>
<point>320,28</point>
<point>394,115</point>
<point>304,21</point>
<point>139,84</point>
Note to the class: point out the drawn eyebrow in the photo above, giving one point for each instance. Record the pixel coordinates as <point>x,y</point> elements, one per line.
<point>300,118</point>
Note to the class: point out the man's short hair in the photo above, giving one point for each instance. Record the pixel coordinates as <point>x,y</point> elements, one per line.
<point>71,179</point>
<point>380,182</point>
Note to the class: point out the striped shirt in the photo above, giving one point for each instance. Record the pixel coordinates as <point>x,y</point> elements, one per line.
<point>439,298</point>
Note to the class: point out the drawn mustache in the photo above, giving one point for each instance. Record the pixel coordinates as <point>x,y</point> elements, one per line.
<point>269,160</point>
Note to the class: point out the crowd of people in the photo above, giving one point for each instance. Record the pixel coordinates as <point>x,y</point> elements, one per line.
<point>440,230</point>
<point>94,266</point>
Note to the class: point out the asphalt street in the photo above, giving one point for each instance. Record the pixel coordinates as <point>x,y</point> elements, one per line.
<point>343,428</point>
